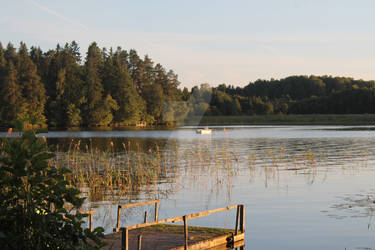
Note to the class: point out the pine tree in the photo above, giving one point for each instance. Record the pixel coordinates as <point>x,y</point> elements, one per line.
<point>11,99</point>
<point>33,90</point>
<point>94,85</point>
<point>10,54</point>
<point>2,57</point>
<point>2,66</point>
<point>120,85</point>
<point>155,101</point>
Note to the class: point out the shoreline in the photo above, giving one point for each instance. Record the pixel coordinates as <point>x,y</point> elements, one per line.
<point>318,119</point>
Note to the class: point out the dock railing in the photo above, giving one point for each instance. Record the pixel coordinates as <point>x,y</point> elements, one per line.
<point>129,205</point>
<point>239,225</point>
<point>90,213</point>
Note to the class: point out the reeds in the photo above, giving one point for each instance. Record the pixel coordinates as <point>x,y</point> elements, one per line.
<point>111,175</point>
<point>122,171</point>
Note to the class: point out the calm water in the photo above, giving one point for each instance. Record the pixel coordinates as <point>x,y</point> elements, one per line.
<point>304,187</point>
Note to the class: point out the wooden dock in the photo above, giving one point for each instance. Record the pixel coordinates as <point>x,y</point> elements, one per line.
<point>161,234</point>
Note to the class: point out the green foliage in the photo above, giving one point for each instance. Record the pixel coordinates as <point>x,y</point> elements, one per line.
<point>34,200</point>
<point>94,86</point>
<point>57,87</point>
<point>74,116</point>
<point>175,112</point>
<point>104,112</point>
<point>33,91</point>
<point>155,101</point>
<point>10,92</point>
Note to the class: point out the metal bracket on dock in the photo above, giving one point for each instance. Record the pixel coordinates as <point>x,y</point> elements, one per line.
<point>230,241</point>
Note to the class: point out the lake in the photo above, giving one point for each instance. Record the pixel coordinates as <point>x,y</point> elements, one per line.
<point>304,187</point>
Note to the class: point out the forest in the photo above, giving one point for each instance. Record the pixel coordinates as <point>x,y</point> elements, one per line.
<point>116,87</point>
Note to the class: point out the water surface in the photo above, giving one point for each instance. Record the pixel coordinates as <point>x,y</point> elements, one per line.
<point>304,187</point>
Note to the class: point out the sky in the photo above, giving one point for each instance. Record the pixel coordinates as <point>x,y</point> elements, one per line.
<point>209,41</point>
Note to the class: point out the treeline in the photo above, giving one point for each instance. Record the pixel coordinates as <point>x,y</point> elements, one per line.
<point>60,89</point>
<point>295,95</point>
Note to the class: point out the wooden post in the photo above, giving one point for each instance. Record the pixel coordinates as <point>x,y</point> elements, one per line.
<point>91,222</point>
<point>156,211</point>
<point>237,217</point>
<point>242,218</point>
<point>145,219</point>
<point>118,216</point>
<point>90,219</point>
<point>185,232</point>
<point>125,239</point>
<point>140,242</point>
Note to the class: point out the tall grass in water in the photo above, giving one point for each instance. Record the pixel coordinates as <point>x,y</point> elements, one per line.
<point>116,174</point>
<point>112,175</point>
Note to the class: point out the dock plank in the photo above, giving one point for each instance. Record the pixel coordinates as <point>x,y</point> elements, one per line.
<point>168,236</point>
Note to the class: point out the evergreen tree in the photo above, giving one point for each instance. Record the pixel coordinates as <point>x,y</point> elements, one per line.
<point>94,87</point>
<point>108,87</point>
<point>2,66</point>
<point>135,68</point>
<point>2,57</point>
<point>33,90</point>
<point>119,83</point>
<point>11,54</point>
<point>155,101</point>
<point>11,99</point>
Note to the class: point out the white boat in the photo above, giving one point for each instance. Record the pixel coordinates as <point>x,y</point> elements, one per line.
<point>204,131</point>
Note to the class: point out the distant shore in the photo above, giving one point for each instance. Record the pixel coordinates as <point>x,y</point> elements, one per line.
<point>317,119</point>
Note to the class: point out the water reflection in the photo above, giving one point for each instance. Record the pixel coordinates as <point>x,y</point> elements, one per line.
<point>289,178</point>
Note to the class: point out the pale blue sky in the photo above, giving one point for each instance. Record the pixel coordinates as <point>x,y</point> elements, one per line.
<point>212,41</point>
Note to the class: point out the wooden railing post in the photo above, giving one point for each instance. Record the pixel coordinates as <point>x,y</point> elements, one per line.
<point>185,231</point>
<point>129,205</point>
<point>125,239</point>
<point>157,211</point>
<point>140,242</point>
<point>145,219</point>
<point>91,222</point>
<point>118,216</point>
<point>242,218</point>
<point>237,217</point>
<point>91,218</point>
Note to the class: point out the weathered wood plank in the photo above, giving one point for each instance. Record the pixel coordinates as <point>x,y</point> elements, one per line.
<point>140,242</point>
<point>118,218</point>
<point>186,232</point>
<point>89,212</point>
<point>242,218</point>
<point>138,204</point>
<point>125,239</point>
<point>180,218</point>
<point>157,211</point>
<point>123,206</point>
<point>214,242</point>
<point>237,217</point>
<point>91,218</point>
<point>145,218</point>
<point>208,212</point>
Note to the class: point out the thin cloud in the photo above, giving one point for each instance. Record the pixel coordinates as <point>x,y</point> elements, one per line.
<point>56,14</point>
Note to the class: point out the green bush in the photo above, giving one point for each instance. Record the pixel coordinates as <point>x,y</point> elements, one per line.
<point>38,209</point>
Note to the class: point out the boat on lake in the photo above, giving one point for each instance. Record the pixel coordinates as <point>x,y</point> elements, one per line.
<point>204,131</point>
